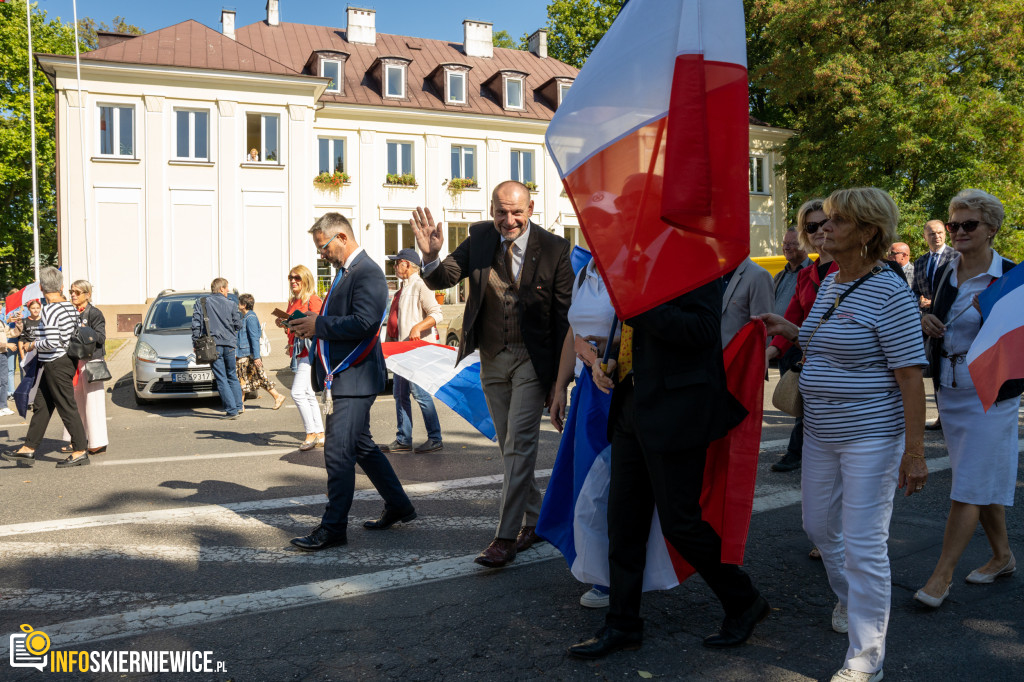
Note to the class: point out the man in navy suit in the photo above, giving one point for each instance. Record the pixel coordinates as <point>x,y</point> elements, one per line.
<point>347,331</point>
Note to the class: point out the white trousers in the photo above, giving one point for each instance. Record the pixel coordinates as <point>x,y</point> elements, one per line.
<point>305,398</point>
<point>91,401</point>
<point>848,493</point>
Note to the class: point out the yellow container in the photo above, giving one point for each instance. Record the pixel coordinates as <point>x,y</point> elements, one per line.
<point>774,264</point>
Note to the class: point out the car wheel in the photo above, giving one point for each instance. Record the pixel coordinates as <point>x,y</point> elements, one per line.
<point>140,401</point>
<point>452,341</point>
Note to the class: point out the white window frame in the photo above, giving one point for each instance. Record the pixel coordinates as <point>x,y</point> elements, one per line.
<point>462,160</point>
<point>116,134</point>
<point>522,93</point>
<point>757,170</point>
<point>337,81</point>
<point>331,147</point>
<point>513,171</point>
<point>449,75</point>
<point>398,157</point>
<point>263,137</point>
<point>387,80</point>
<point>563,88</point>
<point>191,134</point>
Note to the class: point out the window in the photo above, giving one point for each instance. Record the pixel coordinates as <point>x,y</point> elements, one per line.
<point>117,130</point>
<point>324,276</point>
<point>575,237</point>
<point>463,165</point>
<point>332,155</point>
<point>513,93</point>
<point>456,87</point>
<point>330,68</point>
<point>397,236</point>
<point>399,159</point>
<point>522,166</point>
<point>563,90</point>
<point>394,81</point>
<point>191,133</point>
<point>457,233</point>
<point>757,183</point>
<point>261,138</point>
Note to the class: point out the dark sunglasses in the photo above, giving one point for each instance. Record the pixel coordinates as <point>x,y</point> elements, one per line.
<point>967,226</point>
<point>295,278</point>
<point>811,228</point>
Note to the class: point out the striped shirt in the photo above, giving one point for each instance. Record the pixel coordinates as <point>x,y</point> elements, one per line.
<point>847,382</point>
<point>57,323</point>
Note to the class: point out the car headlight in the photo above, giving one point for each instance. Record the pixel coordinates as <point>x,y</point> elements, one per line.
<point>145,352</point>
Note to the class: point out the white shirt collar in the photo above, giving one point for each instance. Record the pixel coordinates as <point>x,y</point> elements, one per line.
<point>351,257</point>
<point>521,240</point>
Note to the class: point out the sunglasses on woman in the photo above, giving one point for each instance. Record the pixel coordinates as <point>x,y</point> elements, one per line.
<point>967,226</point>
<point>811,228</point>
<point>295,278</point>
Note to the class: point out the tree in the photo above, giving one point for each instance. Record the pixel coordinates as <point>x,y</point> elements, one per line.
<point>87,30</point>
<point>921,99</point>
<point>576,26</point>
<point>503,39</point>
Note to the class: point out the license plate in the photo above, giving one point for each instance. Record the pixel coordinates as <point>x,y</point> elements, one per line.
<point>191,377</point>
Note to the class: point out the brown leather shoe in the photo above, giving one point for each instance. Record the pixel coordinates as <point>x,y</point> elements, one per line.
<point>527,538</point>
<point>497,554</point>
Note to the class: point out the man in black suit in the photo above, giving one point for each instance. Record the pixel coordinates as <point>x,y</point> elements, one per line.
<point>347,344</point>
<point>669,404</point>
<point>925,267</point>
<point>520,286</point>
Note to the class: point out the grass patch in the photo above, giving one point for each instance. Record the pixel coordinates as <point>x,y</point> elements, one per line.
<point>112,345</point>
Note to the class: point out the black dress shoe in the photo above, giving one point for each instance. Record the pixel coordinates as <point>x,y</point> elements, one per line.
<point>72,461</point>
<point>29,458</point>
<point>390,517</point>
<point>320,538</point>
<point>607,641</point>
<point>788,462</point>
<point>934,426</point>
<point>737,629</point>
<point>395,446</point>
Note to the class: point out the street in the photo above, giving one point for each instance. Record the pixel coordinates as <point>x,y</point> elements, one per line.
<point>177,540</point>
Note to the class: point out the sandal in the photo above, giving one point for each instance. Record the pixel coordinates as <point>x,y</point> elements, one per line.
<point>308,444</point>
<point>814,554</point>
<point>66,449</point>
<point>279,402</point>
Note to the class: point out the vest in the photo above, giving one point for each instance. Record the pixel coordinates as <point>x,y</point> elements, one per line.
<point>499,324</point>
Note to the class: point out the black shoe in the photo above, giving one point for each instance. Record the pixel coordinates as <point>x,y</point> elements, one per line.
<point>934,426</point>
<point>28,458</point>
<point>788,462</point>
<point>390,517</point>
<point>230,416</point>
<point>429,446</point>
<point>320,538</point>
<point>607,641</point>
<point>737,629</point>
<point>395,446</point>
<point>72,461</point>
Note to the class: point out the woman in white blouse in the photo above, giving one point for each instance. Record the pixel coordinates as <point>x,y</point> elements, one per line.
<point>982,445</point>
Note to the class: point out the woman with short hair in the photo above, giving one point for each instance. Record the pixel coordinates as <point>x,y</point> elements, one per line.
<point>251,374</point>
<point>58,323</point>
<point>90,398</point>
<point>302,298</point>
<point>863,397</point>
<point>983,445</point>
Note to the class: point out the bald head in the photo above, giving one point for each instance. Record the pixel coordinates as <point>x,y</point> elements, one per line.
<point>511,208</point>
<point>900,253</point>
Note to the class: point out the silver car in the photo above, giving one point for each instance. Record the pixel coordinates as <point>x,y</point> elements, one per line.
<point>164,363</point>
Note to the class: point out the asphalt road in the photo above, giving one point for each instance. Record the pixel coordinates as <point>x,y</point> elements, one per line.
<point>177,540</point>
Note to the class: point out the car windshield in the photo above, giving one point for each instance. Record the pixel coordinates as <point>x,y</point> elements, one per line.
<point>171,313</point>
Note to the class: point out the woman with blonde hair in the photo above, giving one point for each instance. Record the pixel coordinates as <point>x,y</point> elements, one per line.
<point>90,398</point>
<point>302,299</point>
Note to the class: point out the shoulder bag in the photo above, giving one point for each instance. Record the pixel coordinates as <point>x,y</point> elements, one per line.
<point>787,396</point>
<point>205,345</point>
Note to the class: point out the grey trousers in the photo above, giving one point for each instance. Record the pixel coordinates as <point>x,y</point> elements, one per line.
<point>515,399</point>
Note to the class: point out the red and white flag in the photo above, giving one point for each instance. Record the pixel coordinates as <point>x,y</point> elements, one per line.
<point>23,296</point>
<point>652,146</point>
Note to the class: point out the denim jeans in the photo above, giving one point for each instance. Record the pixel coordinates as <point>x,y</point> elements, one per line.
<point>403,410</point>
<point>5,384</point>
<point>12,361</point>
<point>226,377</point>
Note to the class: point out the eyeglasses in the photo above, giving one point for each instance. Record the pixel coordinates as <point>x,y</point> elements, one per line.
<point>811,228</point>
<point>899,253</point>
<point>76,292</point>
<point>321,249</point>
<point>967,226</point>
<point>295,278</point>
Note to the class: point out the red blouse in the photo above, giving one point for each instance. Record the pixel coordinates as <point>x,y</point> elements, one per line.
<point>312,307</point>
<point>807,283</point>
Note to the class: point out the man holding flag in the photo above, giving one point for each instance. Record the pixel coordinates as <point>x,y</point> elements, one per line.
<point>348,366</point>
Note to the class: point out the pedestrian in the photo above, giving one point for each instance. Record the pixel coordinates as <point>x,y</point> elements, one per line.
<point>90,398</point>
<point>520,286</point>
<point>669,364</point>
<point>899,253</point>
<point>4,390</point>
<point>983,445</point>
<point>58,322</point>
<point>251,374</point>
<point>12,318</point>
<point>29,327</point>
<point>784,281</point>
<point>414,314</point>
<point>746,291</point>
<point>224,323</point>
<point>863,401</point>
<point>302,300</point>
<point>925,267</point>
<point>349,368</point>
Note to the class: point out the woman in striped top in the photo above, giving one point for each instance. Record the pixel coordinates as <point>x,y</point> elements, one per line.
<point>863,416</point>
<point>59,321</point>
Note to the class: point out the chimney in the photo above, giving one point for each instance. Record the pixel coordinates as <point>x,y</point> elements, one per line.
<point>227,19</point>
<point>362,26</point>
<point>478,41</point>
<point>273,12</point>
<point>539,43</point>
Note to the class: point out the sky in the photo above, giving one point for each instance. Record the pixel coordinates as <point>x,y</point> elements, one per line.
<point>436,19</point>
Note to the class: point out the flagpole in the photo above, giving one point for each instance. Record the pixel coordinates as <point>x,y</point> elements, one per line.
<point>32,127</point>
<point>85,161</point>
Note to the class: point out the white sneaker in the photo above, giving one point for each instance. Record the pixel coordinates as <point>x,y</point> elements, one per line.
<point>848,675</point>
<point>6,412</point>
<point>594,599</point>
<point>840,622</point>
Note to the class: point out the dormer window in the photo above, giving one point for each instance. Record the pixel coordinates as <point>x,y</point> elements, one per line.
<point>392,73</point>
<point>456,87</point>
<point>394,81</point>
<point>328,64</point>
<point>331,68</point>
<point>563,90</point>
<point>513,93</point>
<point>451,79</point>
<point>508,88</point>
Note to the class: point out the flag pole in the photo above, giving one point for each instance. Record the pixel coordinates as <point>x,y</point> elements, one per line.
<point>85,161</point>
<point>32,128</point>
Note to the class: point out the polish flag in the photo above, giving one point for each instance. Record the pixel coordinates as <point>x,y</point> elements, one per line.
<point>652,146</point>
<point>997,354</point>
<point>23,296</point>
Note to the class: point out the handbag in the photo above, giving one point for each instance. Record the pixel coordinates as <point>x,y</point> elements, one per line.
<point>786,396</point>
<point>96,370</point>
<point>82,344</point>
<point>264,340</point>
<point>205,346</point>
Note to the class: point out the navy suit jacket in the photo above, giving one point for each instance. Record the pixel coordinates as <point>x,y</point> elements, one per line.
<point>351,313</point>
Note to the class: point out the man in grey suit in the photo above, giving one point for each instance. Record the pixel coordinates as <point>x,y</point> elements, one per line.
<point>747,290</point>
<point>520,287</point>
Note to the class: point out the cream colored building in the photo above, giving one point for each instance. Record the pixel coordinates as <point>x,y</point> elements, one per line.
<point>767,189</point>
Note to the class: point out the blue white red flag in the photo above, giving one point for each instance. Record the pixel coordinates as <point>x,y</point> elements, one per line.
<point>23,296</point>
<point>31,374</point>
<point>432,367</point>
<point>652,145</point>
<point>997,354</point>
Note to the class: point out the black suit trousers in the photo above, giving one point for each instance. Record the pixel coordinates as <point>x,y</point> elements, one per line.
<point>641,481</point>
<point>56,391</point>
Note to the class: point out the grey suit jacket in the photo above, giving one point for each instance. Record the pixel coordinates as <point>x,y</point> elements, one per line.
<point>750,292</point>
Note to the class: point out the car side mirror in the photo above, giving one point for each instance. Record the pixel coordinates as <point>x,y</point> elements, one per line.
<point>138,329</point>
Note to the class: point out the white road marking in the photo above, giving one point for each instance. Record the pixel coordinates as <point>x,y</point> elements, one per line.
<point>105,462</point>
<point>35,599</point>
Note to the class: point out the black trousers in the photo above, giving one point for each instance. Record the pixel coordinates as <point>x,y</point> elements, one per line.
<point>56,390</point>
<point>672,482</point>
<point>796,436</point>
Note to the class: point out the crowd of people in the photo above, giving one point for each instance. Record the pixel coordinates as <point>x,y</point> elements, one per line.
<point>862,324</point>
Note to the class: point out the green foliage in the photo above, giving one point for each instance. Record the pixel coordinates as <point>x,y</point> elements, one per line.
<point>407,179</point>
<point>531,185</point>
<point>576,26</point>
<point>921,99</point>
<point>503,39</point>
<point>87,29</point>
<point>331,181</point>
<point>456,185</point>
